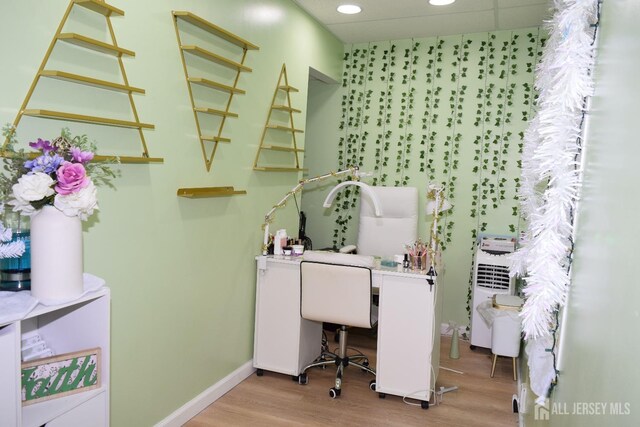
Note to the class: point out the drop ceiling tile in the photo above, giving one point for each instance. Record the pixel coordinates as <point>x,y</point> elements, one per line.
<point>522,17</point>
<point>388,19</point>
<point>407,28</point>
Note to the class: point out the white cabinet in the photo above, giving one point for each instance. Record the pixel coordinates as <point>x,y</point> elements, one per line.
<point>284,342</point>
<point>9,368</point>
<point>78,325</point>
<point>405,337</point>
<point>87,413</point>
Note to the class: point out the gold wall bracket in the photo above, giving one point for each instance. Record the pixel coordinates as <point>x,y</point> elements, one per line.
<point>202,192</point>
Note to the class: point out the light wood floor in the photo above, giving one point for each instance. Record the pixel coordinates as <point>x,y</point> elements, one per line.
<point>276,400</point>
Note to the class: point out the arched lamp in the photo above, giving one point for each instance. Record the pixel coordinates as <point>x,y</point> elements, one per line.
<point>365,188</point>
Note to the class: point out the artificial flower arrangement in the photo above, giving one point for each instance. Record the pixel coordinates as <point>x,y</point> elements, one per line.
<point>62,174</point>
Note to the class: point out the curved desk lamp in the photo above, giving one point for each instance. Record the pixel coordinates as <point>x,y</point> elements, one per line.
<point>365,188</point>
<point>351,170</point>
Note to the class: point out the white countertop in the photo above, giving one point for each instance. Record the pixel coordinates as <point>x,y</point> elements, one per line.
<point>389,271</point>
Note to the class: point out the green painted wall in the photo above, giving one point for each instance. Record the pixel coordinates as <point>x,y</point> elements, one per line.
<point>323,112</point>
<point>598,360</point>
<point>449,110</point>
<point>181,271</point>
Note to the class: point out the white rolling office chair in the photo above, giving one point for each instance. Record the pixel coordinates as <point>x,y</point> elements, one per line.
<point>386,235</point>
<point>337,288</point>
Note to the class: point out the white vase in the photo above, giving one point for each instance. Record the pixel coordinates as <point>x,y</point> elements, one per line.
<point>56,256</point>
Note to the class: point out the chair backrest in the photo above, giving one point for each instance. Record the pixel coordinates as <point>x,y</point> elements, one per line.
<point>386,235</point>
<point>336,288</point>
<point>505,336</point>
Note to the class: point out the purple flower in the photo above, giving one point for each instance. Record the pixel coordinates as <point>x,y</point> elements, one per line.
<point>72,177</point>
<point>45,163</point>
<point>42,145</point>
<point>81,156</point>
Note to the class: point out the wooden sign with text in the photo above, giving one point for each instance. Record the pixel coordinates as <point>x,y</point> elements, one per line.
<point>61,375</point>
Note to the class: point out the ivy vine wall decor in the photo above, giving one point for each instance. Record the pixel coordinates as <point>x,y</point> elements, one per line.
<point>449,110</point>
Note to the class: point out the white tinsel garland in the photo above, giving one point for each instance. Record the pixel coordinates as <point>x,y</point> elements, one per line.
<point>11,249</point>
<point>551,179</point>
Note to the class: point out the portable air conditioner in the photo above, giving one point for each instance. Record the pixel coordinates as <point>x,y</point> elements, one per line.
<point>490,277</point>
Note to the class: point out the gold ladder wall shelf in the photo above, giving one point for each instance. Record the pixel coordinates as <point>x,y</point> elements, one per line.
<point>108,48</point>
<point>217,116</point>
<point>280,106</point>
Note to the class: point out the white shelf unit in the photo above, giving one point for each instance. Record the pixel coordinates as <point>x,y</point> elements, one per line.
<point>78,325</point>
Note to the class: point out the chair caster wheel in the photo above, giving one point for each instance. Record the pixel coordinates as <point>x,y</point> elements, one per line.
<point>259,372</point>
<point>372,385</point>
<point>381,395</point>
<point>424,404</point>
<point>302,379</point>
<point>334,392</point>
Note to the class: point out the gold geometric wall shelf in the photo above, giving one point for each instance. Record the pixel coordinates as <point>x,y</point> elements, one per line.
<point>109,48</point>
<point>201,192</point>
<point>220,90</point>
<point>280,121</point>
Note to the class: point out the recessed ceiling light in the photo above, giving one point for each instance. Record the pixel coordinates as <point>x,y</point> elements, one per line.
<point>349,9</point>
<point>441,2</point>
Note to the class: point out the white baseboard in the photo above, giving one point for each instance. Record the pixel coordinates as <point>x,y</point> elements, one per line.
<point>207,397</point>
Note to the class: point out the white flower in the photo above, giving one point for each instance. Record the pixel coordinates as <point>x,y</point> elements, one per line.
<point>20,205</point>
<point>30,188</point>
<point>33,187</point>
<point>80,204</point>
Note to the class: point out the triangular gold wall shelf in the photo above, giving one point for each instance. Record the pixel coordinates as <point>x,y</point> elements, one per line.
<point>210,134</point>
<point>110,48</point>
<point>283,125</point>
